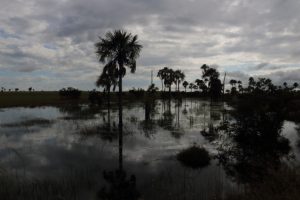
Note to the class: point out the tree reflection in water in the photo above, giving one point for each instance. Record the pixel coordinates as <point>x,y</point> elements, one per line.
<point>119,186</point>
<point>254,145</point>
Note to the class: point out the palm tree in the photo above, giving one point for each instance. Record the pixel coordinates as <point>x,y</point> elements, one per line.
<point>169,78</point>
<point>232,82</point>
<point>198,82</point>
<point>185,84</point>
<point>251,84</point>
<point>295,85</point>
<point>118,49</point>
<point>240,86</point>
<point>162,74</point>
<point>178,77</point>
<point>107,79</point>
<point>191,86</point>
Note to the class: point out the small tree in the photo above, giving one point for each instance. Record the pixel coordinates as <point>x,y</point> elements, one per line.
<point>185,84</point>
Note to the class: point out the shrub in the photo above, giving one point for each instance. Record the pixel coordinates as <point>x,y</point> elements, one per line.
<point>94,97</point>
<point>194,157</point>
<point>70,92</point>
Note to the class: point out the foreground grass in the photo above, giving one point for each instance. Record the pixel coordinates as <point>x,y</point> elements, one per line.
<point>26,99</point>
<point>282,184</point>
<point>68,187</point>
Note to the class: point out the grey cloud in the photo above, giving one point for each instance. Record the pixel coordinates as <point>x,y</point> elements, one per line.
<point>261,66</point>
<point>289,76</point>
<point>173,33</point>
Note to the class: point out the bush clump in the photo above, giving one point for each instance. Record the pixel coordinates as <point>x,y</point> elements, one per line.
<point>70,92</point>
<point>95,97</point>
<point>194,157</point>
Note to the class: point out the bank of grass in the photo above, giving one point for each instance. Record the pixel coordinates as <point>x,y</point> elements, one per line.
<point>31,99</point>
<point>68,187</point>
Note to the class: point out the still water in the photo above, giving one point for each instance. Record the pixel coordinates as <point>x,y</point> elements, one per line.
<point>81,143</point>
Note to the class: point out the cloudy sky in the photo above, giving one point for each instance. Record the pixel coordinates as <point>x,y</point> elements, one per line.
<point>49,44</point>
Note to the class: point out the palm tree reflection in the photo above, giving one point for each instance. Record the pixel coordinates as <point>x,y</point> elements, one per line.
<point>118,185</point>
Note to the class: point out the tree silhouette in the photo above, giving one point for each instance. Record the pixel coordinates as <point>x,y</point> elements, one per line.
<point>295,85</point>
<point>185,84</point>
<point>191,86</point>
<point>178,77</point>
<point>162,75</point>
<point>211,76</point>
<point>240,86</point>
<point>108,79</point>
<point>201,85</point>
<point>169,79</point>
<point>233,83</point>
<point>251,84</point>
<point>118,49</point>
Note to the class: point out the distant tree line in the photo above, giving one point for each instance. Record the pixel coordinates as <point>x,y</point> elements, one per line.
<point>210,84</point>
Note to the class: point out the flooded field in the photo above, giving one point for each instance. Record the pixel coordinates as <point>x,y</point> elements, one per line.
<point>75,152</point>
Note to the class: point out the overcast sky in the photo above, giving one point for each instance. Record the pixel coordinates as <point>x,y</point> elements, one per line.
<point>49,44</point>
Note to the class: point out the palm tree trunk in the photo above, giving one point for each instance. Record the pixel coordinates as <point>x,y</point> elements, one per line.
<point>120,122</point>
<point>108,97</point>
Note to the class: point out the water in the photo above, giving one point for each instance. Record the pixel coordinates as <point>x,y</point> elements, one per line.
<point>54,143</point>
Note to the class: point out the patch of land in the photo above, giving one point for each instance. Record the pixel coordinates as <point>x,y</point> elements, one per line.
<point>46,98</point>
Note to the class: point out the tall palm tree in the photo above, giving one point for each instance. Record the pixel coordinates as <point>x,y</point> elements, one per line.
<point>119,49</point>
<point>162,74</point>
<point>178,77</point>
<point>185,84</point>
<point>169,79</point>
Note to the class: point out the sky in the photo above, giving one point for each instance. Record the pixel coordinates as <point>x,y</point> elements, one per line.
<point>49,44</point>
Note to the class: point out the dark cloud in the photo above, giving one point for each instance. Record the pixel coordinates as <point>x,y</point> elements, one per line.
<point>261,66</point>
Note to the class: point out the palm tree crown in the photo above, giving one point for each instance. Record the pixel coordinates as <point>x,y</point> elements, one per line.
<point>118,49</point>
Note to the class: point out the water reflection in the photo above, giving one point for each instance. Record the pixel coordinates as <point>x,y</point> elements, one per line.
<point>143,160</point>
<point>253,145</point>
<point>118,185</point>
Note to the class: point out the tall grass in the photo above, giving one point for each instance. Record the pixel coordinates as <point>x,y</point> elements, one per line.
<point>66,187</point>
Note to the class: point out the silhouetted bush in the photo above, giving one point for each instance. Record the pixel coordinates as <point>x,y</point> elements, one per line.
<point>138,93</point>
<point>95,97</point>
<point>194,157</point>
<point>70,92</point>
